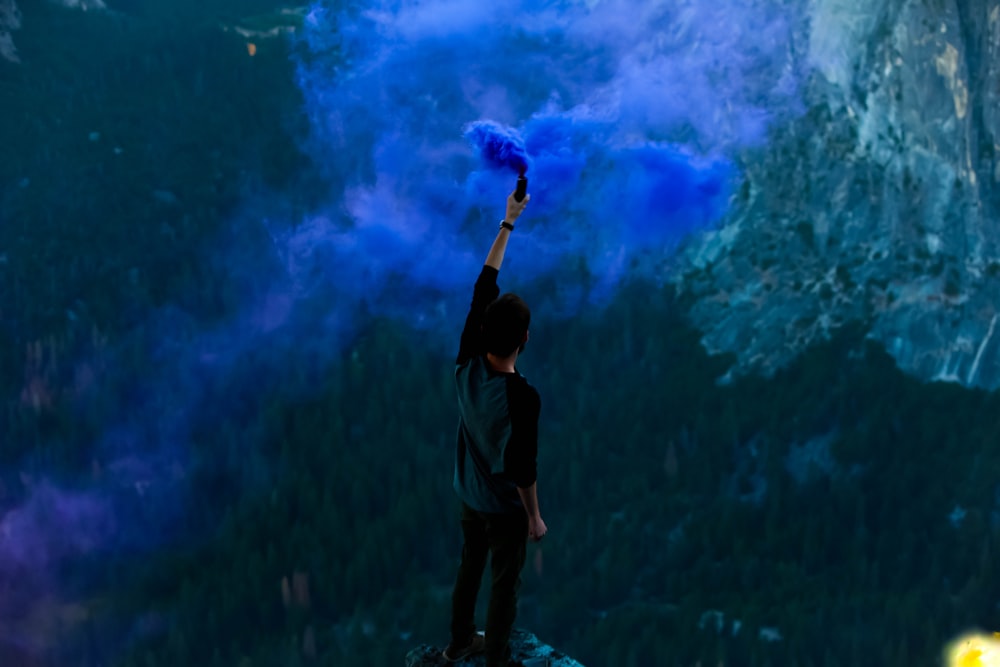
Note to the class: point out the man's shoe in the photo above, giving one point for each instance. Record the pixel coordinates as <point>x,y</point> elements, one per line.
<point>475,645</point>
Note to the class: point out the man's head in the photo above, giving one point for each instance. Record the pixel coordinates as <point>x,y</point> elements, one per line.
<point>505,325</point>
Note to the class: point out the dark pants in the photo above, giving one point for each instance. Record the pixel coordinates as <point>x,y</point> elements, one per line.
<point>504,536</point>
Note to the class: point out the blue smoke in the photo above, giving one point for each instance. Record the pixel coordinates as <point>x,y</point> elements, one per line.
<point>500,146</point>
<point>630,113</point>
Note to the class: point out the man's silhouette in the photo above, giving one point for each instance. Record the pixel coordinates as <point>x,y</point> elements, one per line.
<point>495,461</point>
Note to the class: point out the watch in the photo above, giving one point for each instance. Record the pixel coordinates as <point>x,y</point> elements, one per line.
<point>506,225</point>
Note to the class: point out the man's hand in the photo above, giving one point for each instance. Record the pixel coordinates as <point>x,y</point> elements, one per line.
<point>514,207</point>
<point>536,528</point>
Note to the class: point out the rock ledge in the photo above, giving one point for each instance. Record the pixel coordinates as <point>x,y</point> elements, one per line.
<point>524,646</point>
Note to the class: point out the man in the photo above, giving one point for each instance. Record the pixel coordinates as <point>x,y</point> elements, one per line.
<point>495,462</point>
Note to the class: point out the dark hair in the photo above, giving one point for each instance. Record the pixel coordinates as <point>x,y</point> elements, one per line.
<point>504,324</point>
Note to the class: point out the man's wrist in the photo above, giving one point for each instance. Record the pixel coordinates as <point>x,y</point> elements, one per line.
<point>506,225</point>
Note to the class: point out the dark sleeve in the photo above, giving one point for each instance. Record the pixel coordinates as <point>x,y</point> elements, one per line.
<point>483,294</point>
<point>521,455</point>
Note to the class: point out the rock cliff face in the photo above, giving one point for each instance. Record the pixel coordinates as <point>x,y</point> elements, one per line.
<point>525,648</point>
<point>880,203</point>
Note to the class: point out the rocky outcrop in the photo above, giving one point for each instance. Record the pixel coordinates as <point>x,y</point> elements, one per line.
<point>880,203</point>
<point>525,648</point>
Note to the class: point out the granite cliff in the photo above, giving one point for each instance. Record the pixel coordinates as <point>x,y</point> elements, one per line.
<point>880,202</point>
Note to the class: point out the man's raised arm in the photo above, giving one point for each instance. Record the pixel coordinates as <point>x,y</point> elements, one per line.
<point>486,289</point>
<point>514,209</point>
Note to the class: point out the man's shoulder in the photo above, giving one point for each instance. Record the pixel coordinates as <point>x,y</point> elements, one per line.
<point>475,362</point>
<point>522,390</point>
<point>474,371</point>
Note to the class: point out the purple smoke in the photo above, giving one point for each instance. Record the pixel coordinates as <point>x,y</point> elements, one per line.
<point>38,537</point>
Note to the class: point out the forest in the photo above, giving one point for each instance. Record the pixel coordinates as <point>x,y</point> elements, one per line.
<point>839,513</point>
